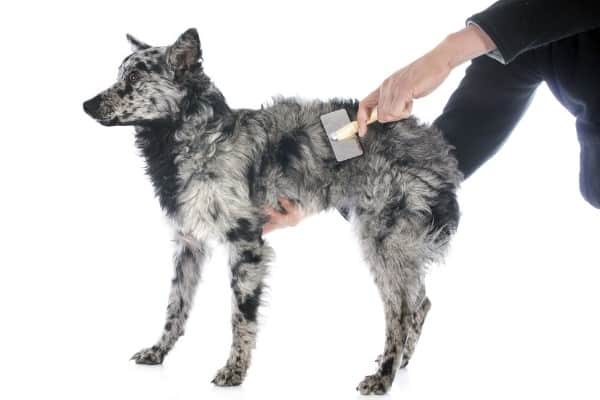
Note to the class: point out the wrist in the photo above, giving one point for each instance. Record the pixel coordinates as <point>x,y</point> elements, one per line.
<point>464,45</point>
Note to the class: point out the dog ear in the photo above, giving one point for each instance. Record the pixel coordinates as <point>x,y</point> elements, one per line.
<point>137,44</point>
<point>185,52</point>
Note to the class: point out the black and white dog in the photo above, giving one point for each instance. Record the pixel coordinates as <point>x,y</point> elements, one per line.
<point>214,170</point>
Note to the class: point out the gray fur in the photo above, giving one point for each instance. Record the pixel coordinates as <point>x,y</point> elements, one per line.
<point>214,169</point>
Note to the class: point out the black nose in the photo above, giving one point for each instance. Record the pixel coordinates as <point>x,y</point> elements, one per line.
<point>92,105</point>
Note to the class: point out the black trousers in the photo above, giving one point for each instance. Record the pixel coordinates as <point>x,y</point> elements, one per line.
<point>492,97</point>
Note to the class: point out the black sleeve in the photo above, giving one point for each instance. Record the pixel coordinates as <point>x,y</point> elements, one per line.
<point>516,26</point>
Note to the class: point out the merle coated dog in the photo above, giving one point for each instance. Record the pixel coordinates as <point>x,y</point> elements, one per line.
<point>214,170</point>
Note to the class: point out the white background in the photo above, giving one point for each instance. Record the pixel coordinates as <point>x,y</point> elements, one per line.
<point>85,254</point>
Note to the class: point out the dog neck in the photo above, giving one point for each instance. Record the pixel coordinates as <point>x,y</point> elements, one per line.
<point>202,126</point>
<point>156,141</point>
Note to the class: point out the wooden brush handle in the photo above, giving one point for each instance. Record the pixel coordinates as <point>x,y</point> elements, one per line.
<point>349,130</point>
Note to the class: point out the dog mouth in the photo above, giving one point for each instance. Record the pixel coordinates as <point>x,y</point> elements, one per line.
<point>115,121</point>
<point>108,121</point>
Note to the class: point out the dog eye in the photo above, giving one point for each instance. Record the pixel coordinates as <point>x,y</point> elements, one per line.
<point>133,76</point>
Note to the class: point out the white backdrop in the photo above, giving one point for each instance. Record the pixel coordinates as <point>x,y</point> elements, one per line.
<point>85,255</point>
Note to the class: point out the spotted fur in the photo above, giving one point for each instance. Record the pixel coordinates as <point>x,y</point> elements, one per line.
<point>214,169</point>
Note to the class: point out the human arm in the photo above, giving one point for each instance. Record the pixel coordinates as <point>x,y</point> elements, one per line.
<point>506,29</point>
<point>395,96</point>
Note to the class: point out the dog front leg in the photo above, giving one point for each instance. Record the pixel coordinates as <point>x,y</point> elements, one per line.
<point>189,258</point>
<point>249,263</point>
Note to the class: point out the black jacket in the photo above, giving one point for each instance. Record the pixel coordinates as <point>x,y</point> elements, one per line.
<point>556,41</point>
<point>517,26</point>
<point>552,41</point>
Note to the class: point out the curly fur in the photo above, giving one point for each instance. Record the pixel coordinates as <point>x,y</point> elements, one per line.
<point>214,169</point>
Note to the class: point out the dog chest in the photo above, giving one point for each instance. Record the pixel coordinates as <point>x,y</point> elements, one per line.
<point>207,209</point>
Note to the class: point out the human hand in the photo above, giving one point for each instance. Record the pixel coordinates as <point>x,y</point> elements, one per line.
<point>394,97</point>
<point>290,217</point>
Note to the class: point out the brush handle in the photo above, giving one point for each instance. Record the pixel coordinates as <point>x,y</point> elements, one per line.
<point>349,130</point>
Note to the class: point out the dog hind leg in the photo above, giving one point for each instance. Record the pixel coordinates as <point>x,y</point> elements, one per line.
<point>188,262</point>
<point>393,252</point>
<point>414,332</point>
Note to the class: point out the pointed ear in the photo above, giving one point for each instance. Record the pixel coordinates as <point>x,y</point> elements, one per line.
<point>137,44</point>
<point>185,52</point>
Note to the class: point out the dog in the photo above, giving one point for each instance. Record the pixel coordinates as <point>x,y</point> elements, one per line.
<point>214,169</point>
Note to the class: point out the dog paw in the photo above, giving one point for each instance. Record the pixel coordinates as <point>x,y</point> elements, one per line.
<point>374,384</point>
<point>229,376</point>
<point>149,356</point>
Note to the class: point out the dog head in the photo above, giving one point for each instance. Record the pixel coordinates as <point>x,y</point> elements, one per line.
<point>152,84</point>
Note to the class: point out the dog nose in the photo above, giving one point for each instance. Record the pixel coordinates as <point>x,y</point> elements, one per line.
<point>92,105</point>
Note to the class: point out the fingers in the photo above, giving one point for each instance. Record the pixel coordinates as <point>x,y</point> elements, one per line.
<point>274,220</point>
<point>390,105</point>
<point>290,216</point>
<point>396,95</point>
<point>401,110</point>
<point>271,212</point>
<point>287,205</point>
<point>394,103</point>
<point>268,227</point>
<point>395,110</point>
<point>385,95</point>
